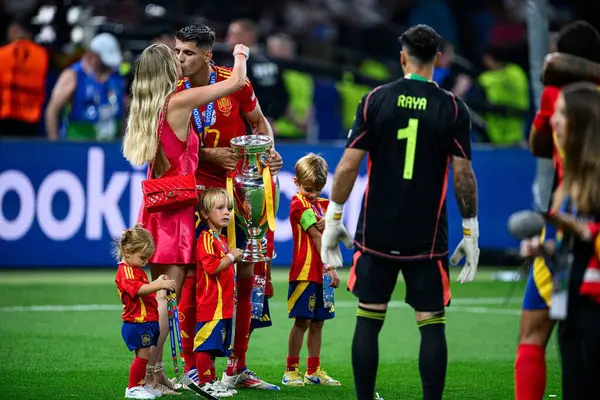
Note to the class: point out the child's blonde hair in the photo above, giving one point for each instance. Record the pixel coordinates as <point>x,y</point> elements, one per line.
<point>209,199</point>
<point>312,169</point>
<point>134,240</point>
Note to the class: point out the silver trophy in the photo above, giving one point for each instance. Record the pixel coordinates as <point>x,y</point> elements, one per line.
<point>250,202</point>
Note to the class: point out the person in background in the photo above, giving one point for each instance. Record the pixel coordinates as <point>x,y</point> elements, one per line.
<point>165,36</point>
<point>22,82</point>
<point>445,73</point>
<point>91,93</point>
<point>265,75</point>
<point>506,89</point>
<point>299,86</point>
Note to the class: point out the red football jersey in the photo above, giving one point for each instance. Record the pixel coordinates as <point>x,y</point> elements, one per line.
<point>135,308</point>
<point>214,292</point>
<point>227,123</point>
<point>542,124</point>
<point>306,260</point>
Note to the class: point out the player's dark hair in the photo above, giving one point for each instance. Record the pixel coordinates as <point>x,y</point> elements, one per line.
<point>580,39</point>
<point>582,145</point>
<point>421,42</point>
<point>133,240</point>
<point>202,35</point>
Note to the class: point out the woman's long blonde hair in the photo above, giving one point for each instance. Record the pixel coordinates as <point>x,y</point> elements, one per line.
<point>155,78</point>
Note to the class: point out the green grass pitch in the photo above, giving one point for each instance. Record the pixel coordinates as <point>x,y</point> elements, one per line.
<point>73,352</point>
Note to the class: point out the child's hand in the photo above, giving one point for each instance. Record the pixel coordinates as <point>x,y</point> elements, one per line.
<point>320,225</point>
<point>335,278</point>
<point>168,284</point>
<point>163,277</point>
<point>237,254</point>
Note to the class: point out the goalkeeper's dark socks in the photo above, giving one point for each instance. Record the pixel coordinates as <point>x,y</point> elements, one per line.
<point>365,351</point>
<point>530,372</point>
<point>433,356</point>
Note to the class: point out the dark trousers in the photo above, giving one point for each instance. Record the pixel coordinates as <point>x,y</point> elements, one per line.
<point>579,342</point>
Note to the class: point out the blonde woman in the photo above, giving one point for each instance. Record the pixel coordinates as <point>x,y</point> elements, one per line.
<point>154,98</point>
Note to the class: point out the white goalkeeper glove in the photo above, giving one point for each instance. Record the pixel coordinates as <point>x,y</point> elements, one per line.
<point>468,248</point>
<point>333,233</point>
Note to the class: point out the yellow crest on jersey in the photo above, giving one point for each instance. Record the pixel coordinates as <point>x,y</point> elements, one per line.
<point>224,104</point>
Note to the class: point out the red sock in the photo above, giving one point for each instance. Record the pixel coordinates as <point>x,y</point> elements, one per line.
<point>137,371</point>
<point>292,363</point>
<point>312,364</point>
<point>242,324</point>
<point>530,372</point>
<point>187,321</point>
<point>213,373</point>
<point>204,364</point>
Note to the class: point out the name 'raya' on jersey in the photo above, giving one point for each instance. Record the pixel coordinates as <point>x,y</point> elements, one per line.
<point>410,129</point>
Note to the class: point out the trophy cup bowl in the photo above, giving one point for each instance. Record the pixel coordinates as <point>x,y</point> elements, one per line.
<point>249,194</point>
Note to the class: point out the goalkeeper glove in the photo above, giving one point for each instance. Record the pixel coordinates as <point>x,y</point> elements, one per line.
<point>468,248</point>
<point>332,234</point>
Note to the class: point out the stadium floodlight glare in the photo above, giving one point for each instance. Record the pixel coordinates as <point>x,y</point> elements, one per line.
<point>74,15</point>
<point>45,15</point>
<point>154,10</point>
<point>47,35</point>
<point>77,34</point>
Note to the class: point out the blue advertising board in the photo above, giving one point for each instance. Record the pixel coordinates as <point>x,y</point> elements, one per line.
<point>62,203</point>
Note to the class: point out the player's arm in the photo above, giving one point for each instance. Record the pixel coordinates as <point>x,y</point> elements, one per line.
<point>127,282</point>
<point>62,92</point>
<point>465,187</point>
<point>208,256</point>
<point>561,69</point>
<point>465,190</point>
<point>540,144</point>
<point>162,282</point>
<point>308,222</point>
<point>541,141</point>
<point>259,124</point>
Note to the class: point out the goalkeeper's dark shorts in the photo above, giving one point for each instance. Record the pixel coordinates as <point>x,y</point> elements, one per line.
<point>373,279</point>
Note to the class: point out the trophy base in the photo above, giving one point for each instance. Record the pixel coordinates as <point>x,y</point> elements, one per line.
<point>256,251</point>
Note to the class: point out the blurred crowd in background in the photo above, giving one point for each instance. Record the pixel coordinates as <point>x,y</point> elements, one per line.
<point>66,66</point>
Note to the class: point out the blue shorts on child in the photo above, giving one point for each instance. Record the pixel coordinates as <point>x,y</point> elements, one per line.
<point>305,300</point>
<point>140,335</point>
<point>214,337</point>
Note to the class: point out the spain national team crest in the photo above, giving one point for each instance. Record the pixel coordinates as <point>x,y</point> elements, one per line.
<point>224,104</point>
<point>145,339</point>
<point>223,334</point>
<point>312,301</point>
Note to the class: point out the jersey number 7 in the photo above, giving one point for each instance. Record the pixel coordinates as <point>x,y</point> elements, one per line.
<point>410,134</point>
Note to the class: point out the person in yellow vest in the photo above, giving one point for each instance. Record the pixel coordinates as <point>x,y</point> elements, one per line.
<point>506,88</point>
<point>22,82</point>
<point>300,88</point>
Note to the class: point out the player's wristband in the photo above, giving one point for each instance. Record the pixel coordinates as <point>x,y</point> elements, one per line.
<point>470,227</point>
<point>231,257</point>
<point>244,53</point>
<point>334,212</point>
